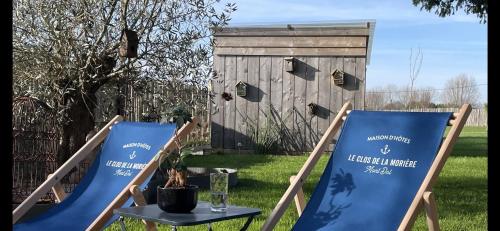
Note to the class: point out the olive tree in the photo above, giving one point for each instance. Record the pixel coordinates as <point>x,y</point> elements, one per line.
<point>66,51</point>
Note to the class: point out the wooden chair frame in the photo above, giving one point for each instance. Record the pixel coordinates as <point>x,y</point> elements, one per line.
<point>139,200</point>
<point>424,196</point>
<point>53,179</point>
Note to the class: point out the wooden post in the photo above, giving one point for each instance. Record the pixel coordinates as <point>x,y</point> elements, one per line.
<point>123,196</point>
<point>436,167</point>
<point>139,200</point>
<point>305,170</point>
<point>299,199</point>
<point>80,155</point>
<point>431,211</point>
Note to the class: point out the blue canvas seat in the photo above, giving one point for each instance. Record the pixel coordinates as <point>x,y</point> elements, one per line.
<point>127,150</point>
<point>382,165</point>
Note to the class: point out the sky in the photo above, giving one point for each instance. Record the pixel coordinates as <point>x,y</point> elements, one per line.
<point>451,46</point>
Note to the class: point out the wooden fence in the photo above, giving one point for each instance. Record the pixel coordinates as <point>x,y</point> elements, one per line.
<point>477,117</point>
<point>149,103</point>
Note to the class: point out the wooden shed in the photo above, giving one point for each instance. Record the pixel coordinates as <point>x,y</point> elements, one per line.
<point>290,78</point>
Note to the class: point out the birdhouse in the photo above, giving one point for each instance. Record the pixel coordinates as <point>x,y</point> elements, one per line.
<point>241,89</point>
<point>338,77</point>
<point>289,64</point>
<point>129,41</point>
<point>313,109</point>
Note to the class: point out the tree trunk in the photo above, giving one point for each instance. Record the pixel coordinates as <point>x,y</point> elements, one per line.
<point>78,107</point>
<point>120,98</point>
<point>77,122</point>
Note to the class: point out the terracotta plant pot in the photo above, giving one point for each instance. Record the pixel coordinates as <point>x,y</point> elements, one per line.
<point>177,200</point>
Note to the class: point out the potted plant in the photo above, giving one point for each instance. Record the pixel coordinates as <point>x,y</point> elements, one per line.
<point>176,195</point>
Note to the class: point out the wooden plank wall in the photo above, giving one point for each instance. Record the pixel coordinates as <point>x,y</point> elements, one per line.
<point>287,111</point>
<point>299,105</point>
<point>240,135</point>
<point>217,110</point>
<point>256,57</point>
<point>264,91</point>
<point>282,97</point>
<point>252,99</point>
<point>277,92</point>
<point>229,106</point>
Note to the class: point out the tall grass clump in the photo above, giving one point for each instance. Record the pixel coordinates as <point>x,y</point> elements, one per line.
<point>266,137</point>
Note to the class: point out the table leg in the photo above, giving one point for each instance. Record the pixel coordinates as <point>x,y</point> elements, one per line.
<point>209,226</point>
<point>245,227</point>
<point>122,223</point>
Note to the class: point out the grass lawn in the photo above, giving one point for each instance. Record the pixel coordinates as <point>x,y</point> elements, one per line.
<point>461,190</point>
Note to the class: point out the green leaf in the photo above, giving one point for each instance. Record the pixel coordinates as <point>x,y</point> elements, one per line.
<point>185,153</point>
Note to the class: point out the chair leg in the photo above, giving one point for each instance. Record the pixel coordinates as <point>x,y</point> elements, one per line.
<point>58,191</point>
<point>299,198</point>
<point>141,201</point>
<point>122,224</point>
<point>431,211</point>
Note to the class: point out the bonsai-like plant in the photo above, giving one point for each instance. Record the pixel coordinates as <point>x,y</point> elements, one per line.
<point>176,196</point>
<point>175,167</point>
<point>172,164</point>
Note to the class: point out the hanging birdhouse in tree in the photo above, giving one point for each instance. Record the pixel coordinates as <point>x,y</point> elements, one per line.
<point>241,89</point>
<point>129,41</point>
<point>338,77</point>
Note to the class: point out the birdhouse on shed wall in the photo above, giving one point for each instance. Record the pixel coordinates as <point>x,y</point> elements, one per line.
<point>241,89</point>
<point>313,109</point>
<point>338,77</point>
<point>129,41</point>
<point>289,64</point>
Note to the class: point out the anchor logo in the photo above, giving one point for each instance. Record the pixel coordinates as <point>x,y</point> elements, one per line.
<point>133,155</point>
<point>385,150</point>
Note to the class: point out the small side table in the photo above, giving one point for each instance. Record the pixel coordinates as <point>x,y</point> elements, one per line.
<point>200,215</point>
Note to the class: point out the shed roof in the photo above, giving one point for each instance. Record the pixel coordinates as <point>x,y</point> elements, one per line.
<point>366,28</point>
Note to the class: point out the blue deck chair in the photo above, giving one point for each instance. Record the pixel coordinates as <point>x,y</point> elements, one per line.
<point>126,159</point>
<point>379,174</point>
